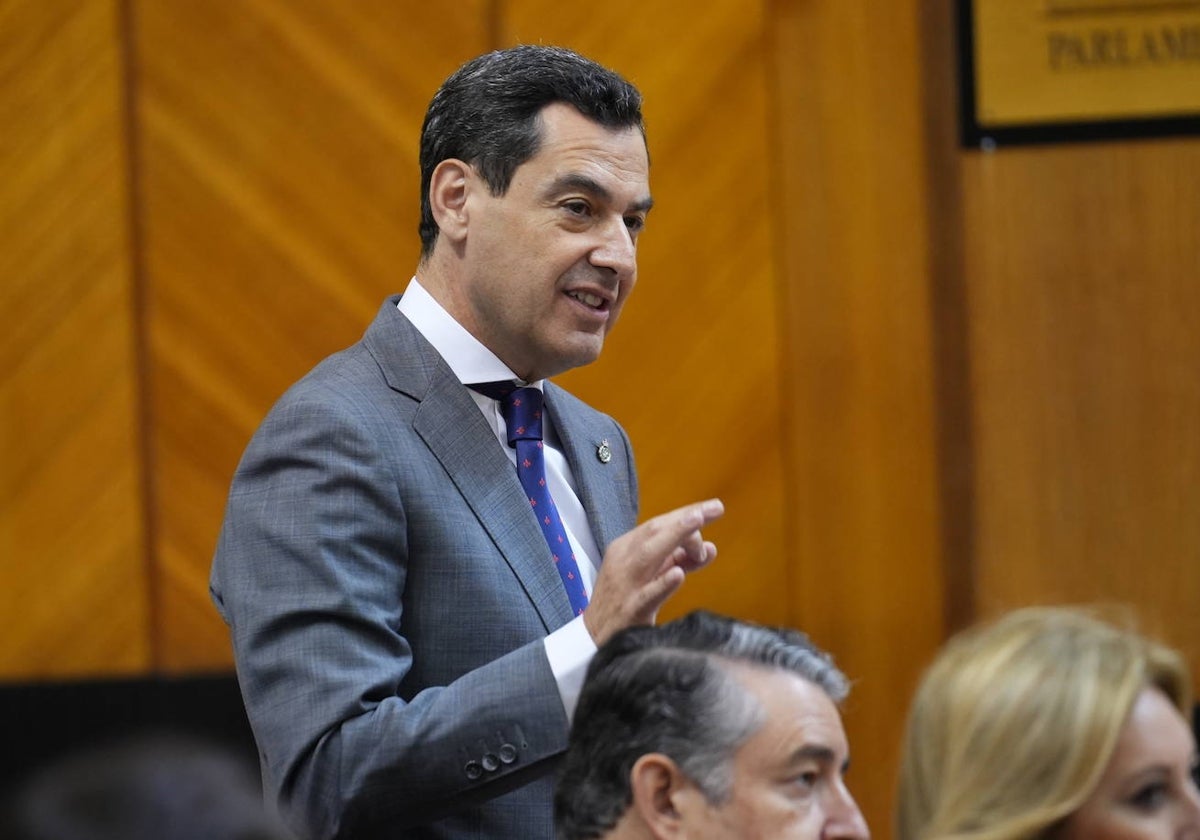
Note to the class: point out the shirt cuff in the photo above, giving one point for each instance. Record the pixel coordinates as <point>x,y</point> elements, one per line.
<point>570,649</point>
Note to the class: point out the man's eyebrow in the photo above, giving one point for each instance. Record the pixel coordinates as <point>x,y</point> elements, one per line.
<point>585,183</point>
<point>819,753</point>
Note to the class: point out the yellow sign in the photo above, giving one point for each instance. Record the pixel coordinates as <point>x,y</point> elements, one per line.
<point>1039,61</point>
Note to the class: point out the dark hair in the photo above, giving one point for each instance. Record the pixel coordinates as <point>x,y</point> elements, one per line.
<point>152,787</point>
<point>666,690</point>
<point>486,113</point>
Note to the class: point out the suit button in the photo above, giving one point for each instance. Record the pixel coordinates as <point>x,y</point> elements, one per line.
<point>508,753</point>
<point>490,762</point>
<point>473,770</point>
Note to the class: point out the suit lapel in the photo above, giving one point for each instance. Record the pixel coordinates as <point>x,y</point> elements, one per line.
<point>453,428</point>
<point>581,433</point>
<point>450,423</point>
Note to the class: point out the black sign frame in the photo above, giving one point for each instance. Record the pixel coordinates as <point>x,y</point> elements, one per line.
<point>974,134</point>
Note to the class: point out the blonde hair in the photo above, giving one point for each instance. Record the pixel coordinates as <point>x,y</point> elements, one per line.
<point>1015,721</point>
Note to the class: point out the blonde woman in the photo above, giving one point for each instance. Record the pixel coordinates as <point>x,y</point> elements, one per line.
<point>1050,723</point>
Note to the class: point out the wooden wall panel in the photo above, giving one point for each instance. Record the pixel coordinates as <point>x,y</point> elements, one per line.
<point>692,371</point>
<point>852,197</point>
<point>73,591</point>
<point>929,383</point>
<point>1082,262</point>
<point>280,184</point>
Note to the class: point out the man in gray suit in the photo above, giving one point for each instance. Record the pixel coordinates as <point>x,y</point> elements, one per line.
<point>408,643</point>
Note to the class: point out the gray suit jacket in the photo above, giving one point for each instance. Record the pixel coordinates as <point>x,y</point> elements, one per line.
<point>388,589</point>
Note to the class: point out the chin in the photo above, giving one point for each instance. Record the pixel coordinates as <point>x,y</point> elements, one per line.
<point>575,354</point>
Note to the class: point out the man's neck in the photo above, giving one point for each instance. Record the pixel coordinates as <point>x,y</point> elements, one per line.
<point>437,276</point>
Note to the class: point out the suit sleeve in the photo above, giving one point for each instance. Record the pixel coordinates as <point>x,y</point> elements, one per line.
<point>310,571</point>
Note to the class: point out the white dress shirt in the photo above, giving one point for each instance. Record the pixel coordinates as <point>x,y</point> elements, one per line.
<point>570,648</point>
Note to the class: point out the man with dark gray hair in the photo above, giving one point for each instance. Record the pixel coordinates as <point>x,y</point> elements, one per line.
<point>427,538</point>
<point>708,727</point>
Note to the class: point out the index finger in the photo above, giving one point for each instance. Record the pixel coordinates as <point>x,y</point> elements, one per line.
<point>668,530</point>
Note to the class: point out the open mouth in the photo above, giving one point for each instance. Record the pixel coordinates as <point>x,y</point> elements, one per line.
<point>589,300</point>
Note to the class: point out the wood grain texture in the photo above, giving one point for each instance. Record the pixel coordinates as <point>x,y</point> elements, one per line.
<point>281,193</point>
<point>816,264</point>
<point>692,371</point>
<point>853,205</point>
<point>1085,345</point>
<point>73,589</point>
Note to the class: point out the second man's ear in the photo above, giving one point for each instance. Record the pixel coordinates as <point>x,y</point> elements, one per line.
<point>663,797</point>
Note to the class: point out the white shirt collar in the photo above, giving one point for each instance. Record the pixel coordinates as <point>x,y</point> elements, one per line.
<point>470,360</point>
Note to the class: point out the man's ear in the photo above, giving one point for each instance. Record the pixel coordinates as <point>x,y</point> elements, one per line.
<point>449,186</point>
<point>663,797</point>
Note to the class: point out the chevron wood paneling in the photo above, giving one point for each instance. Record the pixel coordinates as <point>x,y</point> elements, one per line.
<point>279,175</point>
<point>692,370</point>
<point>73,589</point>
<point>929,383</point>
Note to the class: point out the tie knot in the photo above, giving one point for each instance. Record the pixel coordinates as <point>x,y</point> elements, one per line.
<point>523,415</point>
<point>522,408</point>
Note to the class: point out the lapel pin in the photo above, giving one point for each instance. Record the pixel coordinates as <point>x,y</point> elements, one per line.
<point>604,452</point>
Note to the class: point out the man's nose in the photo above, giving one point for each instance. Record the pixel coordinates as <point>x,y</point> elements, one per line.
<point>617,249</point>
<point>845,822</point>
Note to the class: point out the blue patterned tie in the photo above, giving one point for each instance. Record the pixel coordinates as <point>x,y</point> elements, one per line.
<point>523,415</point>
